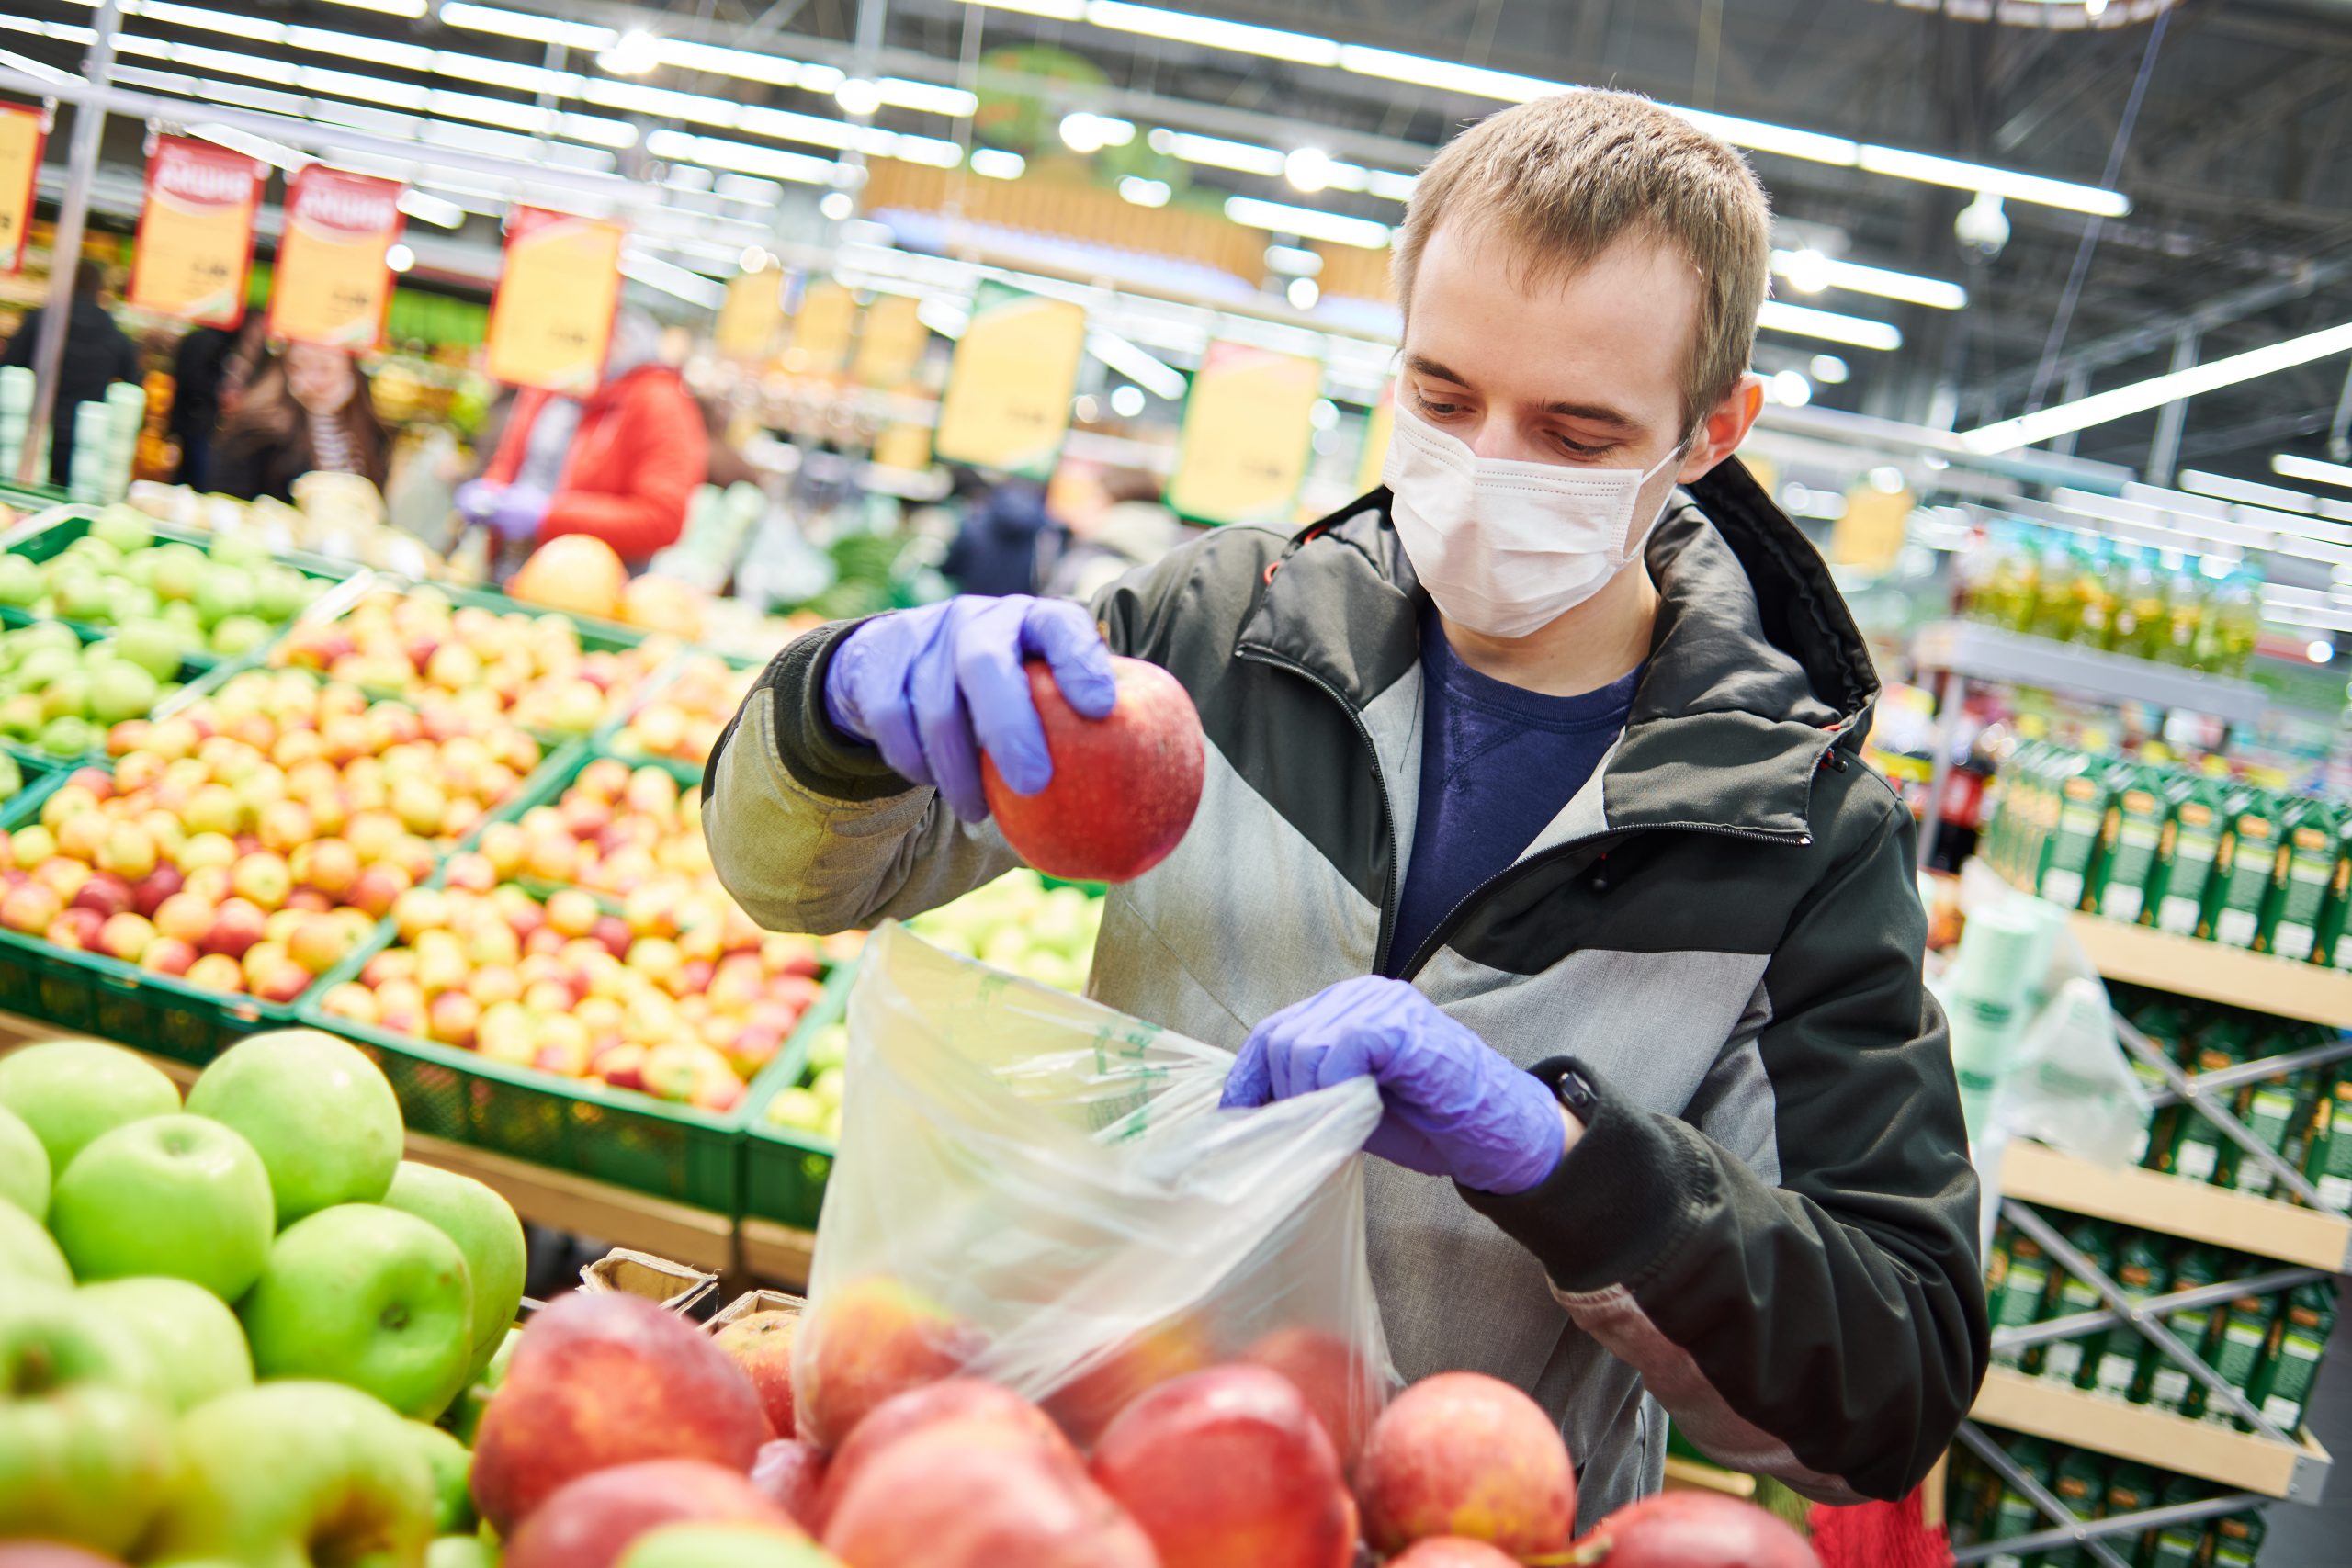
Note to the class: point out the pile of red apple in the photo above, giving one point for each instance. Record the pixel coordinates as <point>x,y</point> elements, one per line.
<point>616,830</point>
<point>227,1327</point>
<point>681,1001</point>
<point>683,720</point>
<point>620,1437</point>
<point>416,643</point>
<point>251,841</point>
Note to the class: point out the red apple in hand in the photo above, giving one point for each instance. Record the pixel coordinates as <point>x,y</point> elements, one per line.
<point>1124,787</point>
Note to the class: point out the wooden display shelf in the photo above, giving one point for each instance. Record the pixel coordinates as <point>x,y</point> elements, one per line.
<point>2171,1205</point>
<point>770,1251</point>
<point>542,1196</point>
<point>2062,1413</point>
<point>2259,982</point>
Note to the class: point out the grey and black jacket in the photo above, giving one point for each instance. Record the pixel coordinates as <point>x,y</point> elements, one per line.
<point>1769,1226</point>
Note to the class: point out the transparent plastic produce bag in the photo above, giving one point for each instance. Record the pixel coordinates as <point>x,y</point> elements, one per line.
<point>1036,1190</point>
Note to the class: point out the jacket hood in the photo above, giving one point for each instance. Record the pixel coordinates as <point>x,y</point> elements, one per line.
<point>1756,670</point>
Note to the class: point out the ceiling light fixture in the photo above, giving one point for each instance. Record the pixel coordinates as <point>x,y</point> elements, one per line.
<point>1307,222</point>
<point>634,53</point>
<point>2288,466</point>
<point>1803,321</point>
<point>2009,434</point>
<point>858,96</point>
<point>1810,271</point>
<point>995,163</point>
<point>526,25</point>
<point>1143,192</point>
<point>1309,170</point>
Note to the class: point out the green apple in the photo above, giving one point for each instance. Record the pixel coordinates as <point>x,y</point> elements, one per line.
<point>24,1166</point>
<point>68,736</point>
<point>123,527</point>
<point>709,1544</point>
<point>154,646</point>
<point>26,1253</point>
<point>119,690</point>
<point>84,1446</point>
<point>289,1475</point>
<point>369,1296</point>
<point>178,573</point>
<point>238,635</point>
<point>467,1419</point>
<point>320,1113</point>
<point>452,1468</point>
<point>193,1339</point>
<point>486,1231</point>
<point>69,1091</point>
<point>225,592</point>
<point>20,581</point>
<point>462,1551</point>
<point>181,1196</point>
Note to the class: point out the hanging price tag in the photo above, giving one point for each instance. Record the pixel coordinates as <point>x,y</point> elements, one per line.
<point>1377,427</point>
<point>752,318</point>
<point>1248,427</point>
<point>333,287</point>
<point>196,231</point>
<point>1007,404</point>
<point>551,320</point>
<point>890,344</point>
<point>821,333</point>
<point>22,132</point>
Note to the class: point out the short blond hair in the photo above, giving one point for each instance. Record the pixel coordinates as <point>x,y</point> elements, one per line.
<point>1568,176</point>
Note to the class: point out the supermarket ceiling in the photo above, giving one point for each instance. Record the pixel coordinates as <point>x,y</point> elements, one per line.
<point>2228,139</point>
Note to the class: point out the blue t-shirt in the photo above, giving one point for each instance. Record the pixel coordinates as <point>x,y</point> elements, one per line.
<point>1497,763</point>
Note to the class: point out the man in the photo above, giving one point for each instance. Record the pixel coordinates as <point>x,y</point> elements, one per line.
<point>96,356</point>
<point>1501,777</point>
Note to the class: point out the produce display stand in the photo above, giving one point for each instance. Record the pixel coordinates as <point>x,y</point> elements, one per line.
<point>1967,650</point>
<point>2310,1240</point>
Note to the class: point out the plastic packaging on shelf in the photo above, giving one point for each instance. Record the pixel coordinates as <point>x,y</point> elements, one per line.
<point>1039,1191</point>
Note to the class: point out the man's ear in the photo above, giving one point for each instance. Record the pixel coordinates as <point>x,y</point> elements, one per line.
<point>1725,427</point>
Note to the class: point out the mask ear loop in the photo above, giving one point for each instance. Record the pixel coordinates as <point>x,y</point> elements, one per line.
<point>1632,548</point>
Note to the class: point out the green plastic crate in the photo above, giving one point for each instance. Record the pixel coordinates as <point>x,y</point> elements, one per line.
<point>88,993</point>
<point>46,536</point>
<point>195,679</point>
<point>614,1136</point>
<point>785,1170</point>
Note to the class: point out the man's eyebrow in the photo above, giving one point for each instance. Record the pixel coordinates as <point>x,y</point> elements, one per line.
<point>1597,413</point>
<point>1421,365</point>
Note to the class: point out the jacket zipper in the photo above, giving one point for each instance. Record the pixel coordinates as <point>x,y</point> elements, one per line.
<point>1379,777</point>
<point>1452,920</point>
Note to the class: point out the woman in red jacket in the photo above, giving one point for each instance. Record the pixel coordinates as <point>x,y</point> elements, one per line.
<point>620,464</point>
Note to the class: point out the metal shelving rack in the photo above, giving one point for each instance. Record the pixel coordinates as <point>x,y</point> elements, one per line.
<point>2310,1241</point>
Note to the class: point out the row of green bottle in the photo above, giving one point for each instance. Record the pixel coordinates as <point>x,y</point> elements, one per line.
<point>2156,845</point>
<point>2268,1347</point>
<point>2305,1117</point>
<point>2124,598</point>
<point>1982,1506</point>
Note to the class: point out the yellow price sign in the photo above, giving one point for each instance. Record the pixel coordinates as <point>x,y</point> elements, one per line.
<point>1378,426</point>
<point>821,333</point>
<point>890,344</point>
<point>1009,389</point>
<point>1249,428</point>
<point>551,320</point>
<point>195,233</point>
<point>1871,532</point>
<point>333,286</point>
<point>22,132</point>
<point>752,317</point>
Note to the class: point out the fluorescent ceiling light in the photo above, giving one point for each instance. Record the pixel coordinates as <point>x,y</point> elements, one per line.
<point>526,25</point>
<point>943,317</point>
<point>2197,481</point>
<point>1307,222</point>
<point>1184,27</point>
<point>1420,71</point>
<point>671,278</point>
<point>279,71</point>
<point>254,27</point>
<point>1217,153</point>
<point>1389,185</point>
<point>772,163</point>
<point>738,63</point>
<point>1143,192</point>
<point>787,124</point>
<point>661,102</point>
<point>1931,170</point>
<point>926,96</point>
<point>995,163</point>
<point>1785,139</point>
<point>2291,466</point>
<point>38,69</point>
<point>375,90</point>
<point>528,119</point>
<point>431,208</point>
<point>858,96</point>
<point>410,8</point>
<point>1811,271</point>
<point>2099,408</point>
<point>505,74</point>
<point>633,54</point>
<point>928,151</point>
<point>1779,316</point>
<point>1136,365</point>
<point>357,46</point>
<point>258,148</point>
<point>1052,10</point>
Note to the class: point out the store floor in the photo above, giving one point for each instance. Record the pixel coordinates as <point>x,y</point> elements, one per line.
<point>2321,1537</point>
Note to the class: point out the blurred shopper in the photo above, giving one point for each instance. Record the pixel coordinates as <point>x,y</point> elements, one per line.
<point>209,376</point>
<point>1128,526</point>
<point>96,356</point>
<point>620,464</point>
<point>1006,536</point>
<point>308,410</point>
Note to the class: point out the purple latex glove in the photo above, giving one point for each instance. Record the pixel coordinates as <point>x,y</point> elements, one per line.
<point>1455,1106</point>
<point>933,688</point>
<point>476,499</point>
<point>519,512</point>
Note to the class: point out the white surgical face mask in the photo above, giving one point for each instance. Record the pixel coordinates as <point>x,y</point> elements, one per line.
<point>1508,547</point>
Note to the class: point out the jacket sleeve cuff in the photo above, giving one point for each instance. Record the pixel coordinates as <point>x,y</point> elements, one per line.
<point>820,757</point>
<point>1617,1205</point>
